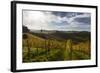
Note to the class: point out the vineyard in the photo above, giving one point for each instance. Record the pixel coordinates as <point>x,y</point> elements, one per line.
<point>44,47</point>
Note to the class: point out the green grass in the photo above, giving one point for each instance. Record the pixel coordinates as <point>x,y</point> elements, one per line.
<point>80,55</point>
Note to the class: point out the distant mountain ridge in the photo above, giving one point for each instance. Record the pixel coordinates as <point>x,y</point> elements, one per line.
<point>55,31</point>
<point>25,29</point>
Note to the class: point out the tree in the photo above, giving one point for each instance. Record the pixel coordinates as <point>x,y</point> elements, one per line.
<point>25,29</point>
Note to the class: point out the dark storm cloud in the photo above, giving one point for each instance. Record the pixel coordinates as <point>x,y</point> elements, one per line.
<point>72,20</point>
<point>79,13</point>
<point>85,20</point>
<point>66,14</point>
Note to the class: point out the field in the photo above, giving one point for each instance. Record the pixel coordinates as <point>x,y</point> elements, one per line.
<point>44,45</point>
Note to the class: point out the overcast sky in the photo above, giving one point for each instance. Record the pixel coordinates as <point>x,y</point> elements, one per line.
<point>50,20</point>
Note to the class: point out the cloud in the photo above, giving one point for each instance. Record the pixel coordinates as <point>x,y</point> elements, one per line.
<point>49,20</point>
<point>67,14</point>
<point>36,19</point>
<point>85,20</point>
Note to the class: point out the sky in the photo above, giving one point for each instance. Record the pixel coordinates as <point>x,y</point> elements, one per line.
<point>54,20</point>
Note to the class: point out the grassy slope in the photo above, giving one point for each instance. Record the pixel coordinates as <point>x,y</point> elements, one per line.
<point>40,53</point>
